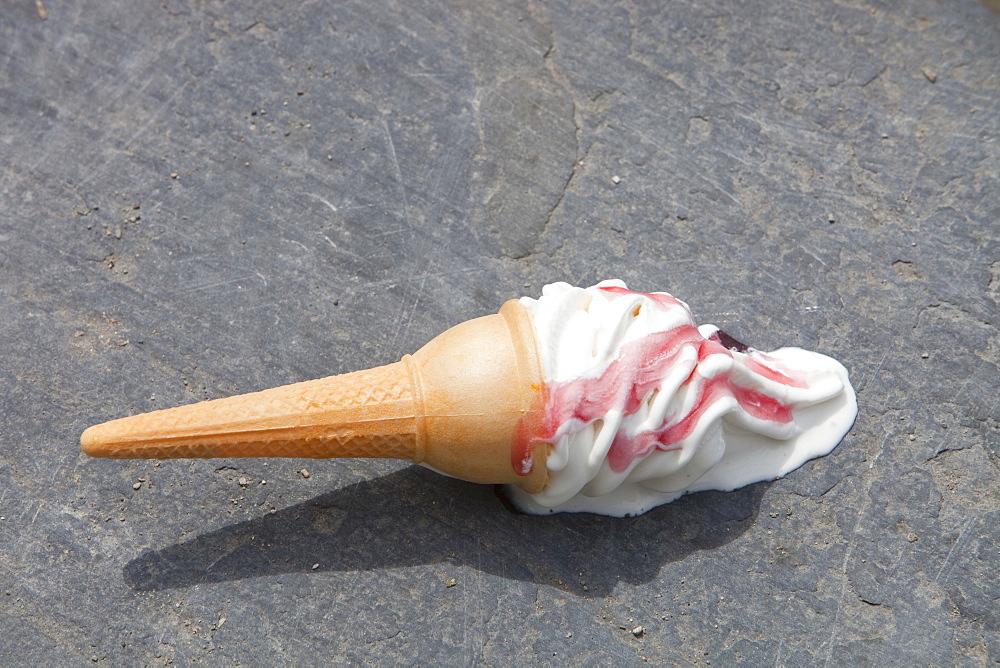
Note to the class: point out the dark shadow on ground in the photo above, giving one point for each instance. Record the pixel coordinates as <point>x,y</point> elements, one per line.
<point>415,516</point>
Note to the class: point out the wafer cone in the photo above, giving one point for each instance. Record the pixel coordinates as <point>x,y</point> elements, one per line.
<point>460,405</point>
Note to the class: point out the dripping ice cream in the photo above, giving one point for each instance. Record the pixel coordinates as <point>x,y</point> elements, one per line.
<point>643,406</point>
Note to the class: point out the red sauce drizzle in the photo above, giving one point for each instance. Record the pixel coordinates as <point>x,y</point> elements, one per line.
<point>529,432</point>
<point>629,379</point>
<point>661,298</point>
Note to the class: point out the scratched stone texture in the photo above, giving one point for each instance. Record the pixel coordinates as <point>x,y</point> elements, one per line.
<point>205,198</point>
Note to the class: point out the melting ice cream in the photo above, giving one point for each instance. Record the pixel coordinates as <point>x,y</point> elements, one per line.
<point>643,406</point>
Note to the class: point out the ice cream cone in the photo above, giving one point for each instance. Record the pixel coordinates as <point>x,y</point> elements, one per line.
<point>463,405</point>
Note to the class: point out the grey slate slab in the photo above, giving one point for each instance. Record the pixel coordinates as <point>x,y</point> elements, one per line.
<point>201,199</point>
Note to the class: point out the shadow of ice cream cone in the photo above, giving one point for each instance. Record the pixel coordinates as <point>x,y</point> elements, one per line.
<point>414,517</point>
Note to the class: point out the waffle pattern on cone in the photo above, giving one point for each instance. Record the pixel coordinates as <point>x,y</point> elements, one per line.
<point>393,446</point>
<point>362,414</point>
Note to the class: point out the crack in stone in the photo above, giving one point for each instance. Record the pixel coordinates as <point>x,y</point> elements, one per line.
<point>560,79</point>
<point>935,457</point>
<point>523,107</point>
<point>964,310</point>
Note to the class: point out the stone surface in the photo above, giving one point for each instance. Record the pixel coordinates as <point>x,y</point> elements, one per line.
<point>201,199</point>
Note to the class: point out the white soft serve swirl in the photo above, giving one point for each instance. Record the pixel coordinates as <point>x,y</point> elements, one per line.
<point>581,331</point>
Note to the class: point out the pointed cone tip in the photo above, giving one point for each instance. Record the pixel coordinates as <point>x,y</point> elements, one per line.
<point>90,441</point>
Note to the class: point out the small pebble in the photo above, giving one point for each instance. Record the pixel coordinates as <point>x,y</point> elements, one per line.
<point>912,437</point>
<point>304,473</point>
<point>137,485</point>
<point>912,537</point>
<point>616,179</point>
<point>924,355</point>
<point>243,482</point>
<point>638,631</point>
<point>451,583</point>
<point>315,566</point>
